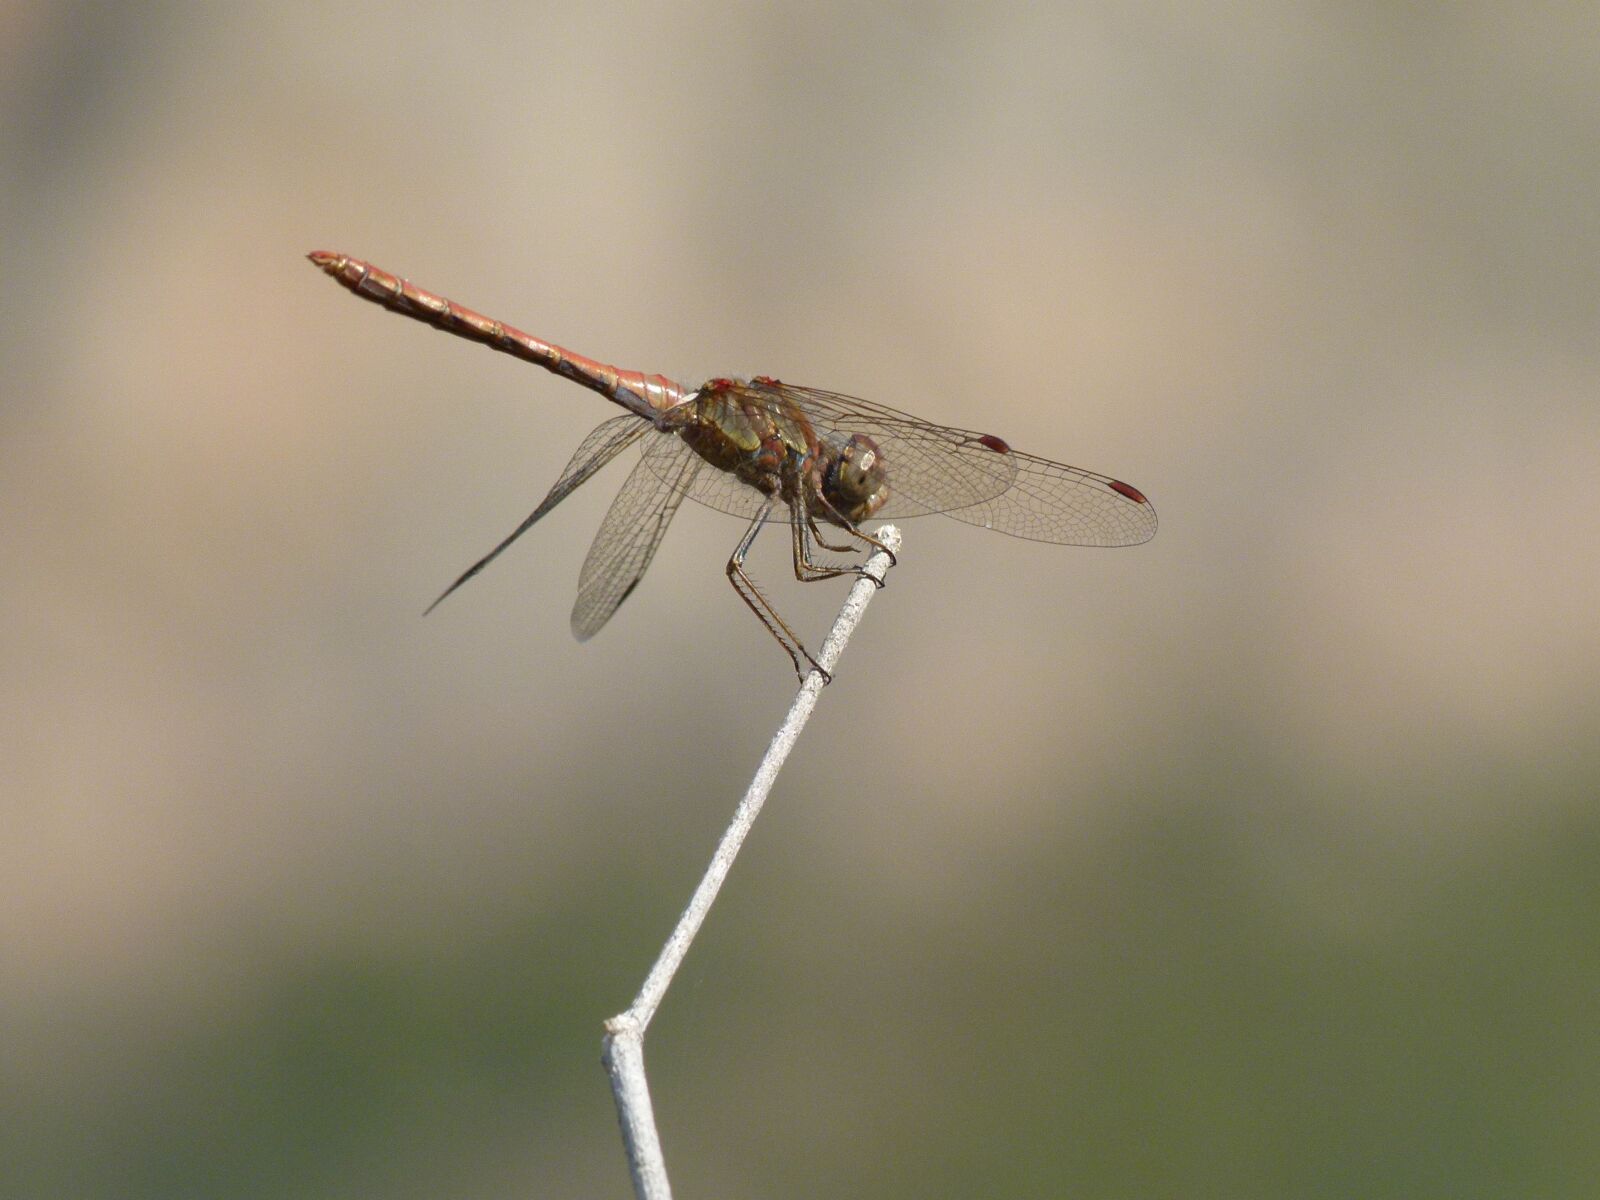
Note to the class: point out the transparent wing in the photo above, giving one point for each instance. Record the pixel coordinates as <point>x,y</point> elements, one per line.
<point>632,530</point>
<point>931,469</point>
<point>596,450</point>
<point>1052,502</point>
<point>721,490</point>
<point>973,477</point>
<point>977,478</point>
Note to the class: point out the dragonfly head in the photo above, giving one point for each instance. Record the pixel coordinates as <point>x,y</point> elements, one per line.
<point>856,482</point>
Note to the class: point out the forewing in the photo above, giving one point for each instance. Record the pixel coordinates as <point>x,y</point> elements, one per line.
<point>931,468</point>
<point>1052,502</point>
<point>632,530</point>
<point>977,478</point>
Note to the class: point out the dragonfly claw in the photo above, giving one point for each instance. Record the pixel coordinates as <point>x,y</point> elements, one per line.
<point>816,668</point>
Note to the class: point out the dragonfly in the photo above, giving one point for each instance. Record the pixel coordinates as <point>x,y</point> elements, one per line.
<point>770,452</point>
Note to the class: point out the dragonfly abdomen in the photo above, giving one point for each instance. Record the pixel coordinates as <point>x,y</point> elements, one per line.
<point>635,391</point>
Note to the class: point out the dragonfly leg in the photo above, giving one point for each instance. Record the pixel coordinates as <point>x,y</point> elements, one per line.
<point>762,607</point>
<point>816,536</point>
<point>808,571</point>
<point>876,544</point>
<point>802,531</point>
<point>854,531</point>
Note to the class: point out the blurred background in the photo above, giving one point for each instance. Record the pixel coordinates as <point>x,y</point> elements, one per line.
<point>1260,860</point>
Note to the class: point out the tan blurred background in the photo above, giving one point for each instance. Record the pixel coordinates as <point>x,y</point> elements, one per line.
<point>1261,860</point>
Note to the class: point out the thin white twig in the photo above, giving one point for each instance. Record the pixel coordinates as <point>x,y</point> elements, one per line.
<point>623,1053</point>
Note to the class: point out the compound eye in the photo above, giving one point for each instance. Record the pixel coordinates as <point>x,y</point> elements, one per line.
<point>858,481</point>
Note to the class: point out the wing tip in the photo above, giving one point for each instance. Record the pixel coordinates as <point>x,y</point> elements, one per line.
<point>1127,490</point>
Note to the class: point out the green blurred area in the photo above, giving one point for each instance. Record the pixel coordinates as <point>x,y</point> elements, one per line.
<point>1136,1016</point>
